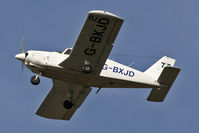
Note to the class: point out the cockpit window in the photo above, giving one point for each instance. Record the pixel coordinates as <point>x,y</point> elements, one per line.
<point>59,51</point>
<point>68,51</point>
<point>26,54</point>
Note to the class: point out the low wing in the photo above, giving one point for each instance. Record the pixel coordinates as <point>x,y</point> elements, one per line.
<point>52,106</point>
<point>94,42</point>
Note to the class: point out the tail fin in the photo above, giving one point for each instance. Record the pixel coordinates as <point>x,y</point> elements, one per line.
<point>164,73</point>
<point>156,69</point>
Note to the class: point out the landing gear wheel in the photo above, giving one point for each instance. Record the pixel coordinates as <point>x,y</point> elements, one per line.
<point>35,80</point>
<point>67,104</point>
<point>87,68</point>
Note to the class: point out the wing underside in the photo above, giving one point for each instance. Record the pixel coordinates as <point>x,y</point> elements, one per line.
<point>52,106</point>
<point>94,42</point>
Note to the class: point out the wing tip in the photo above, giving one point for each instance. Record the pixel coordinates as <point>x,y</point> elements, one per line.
<point>103,12</point>
<point>52,117</point>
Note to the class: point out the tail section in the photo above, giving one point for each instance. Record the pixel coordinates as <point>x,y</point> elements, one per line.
<point>156,69</point>
<point>165,74</point>
<point>166,79</point>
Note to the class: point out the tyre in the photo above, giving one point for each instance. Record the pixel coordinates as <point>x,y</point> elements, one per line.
<point>87,68</point>
<point>67,104</point>
<point>34,80</point>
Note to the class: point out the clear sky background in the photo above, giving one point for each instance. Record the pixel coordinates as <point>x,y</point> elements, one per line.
<point>151,28</point>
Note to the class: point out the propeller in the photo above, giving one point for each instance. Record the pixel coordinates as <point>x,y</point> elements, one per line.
<point>22,56</point>
<point>22,51</point>
<point>22,45</point>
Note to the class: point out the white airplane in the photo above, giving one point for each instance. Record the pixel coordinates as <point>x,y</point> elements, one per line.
<point>75,70</point>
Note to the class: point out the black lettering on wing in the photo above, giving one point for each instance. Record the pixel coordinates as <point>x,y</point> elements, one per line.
<point>89,51</point>
<point>97,34</point>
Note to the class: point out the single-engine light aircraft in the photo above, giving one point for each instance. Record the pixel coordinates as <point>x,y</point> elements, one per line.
<point>75,70</point>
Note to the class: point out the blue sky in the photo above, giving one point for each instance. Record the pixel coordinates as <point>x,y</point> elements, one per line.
<point>151,28</point>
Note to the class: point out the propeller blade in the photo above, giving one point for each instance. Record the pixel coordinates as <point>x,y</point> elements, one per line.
<point>22,45</point>
<point>22,67</point>
<point>22,51</point>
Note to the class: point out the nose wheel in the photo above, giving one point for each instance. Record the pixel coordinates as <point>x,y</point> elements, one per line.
<point>35,80</point>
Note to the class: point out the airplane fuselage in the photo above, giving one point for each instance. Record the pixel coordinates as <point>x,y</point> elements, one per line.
<point>112,75</point>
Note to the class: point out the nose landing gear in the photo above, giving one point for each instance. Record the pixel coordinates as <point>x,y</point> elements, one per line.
<point>35,80</point>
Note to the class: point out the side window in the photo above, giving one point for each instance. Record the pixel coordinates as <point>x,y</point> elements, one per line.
<point>68,51</point>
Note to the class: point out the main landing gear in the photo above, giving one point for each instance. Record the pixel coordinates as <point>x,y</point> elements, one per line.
<point>68,104</point>
<point>35,80</point>
<point>87,67</point>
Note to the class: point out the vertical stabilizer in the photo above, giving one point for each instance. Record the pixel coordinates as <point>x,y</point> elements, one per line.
<point>165,74</point>
<point>156,69</point>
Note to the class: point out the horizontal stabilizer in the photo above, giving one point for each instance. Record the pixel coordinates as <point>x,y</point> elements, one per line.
<point>166,79</point>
